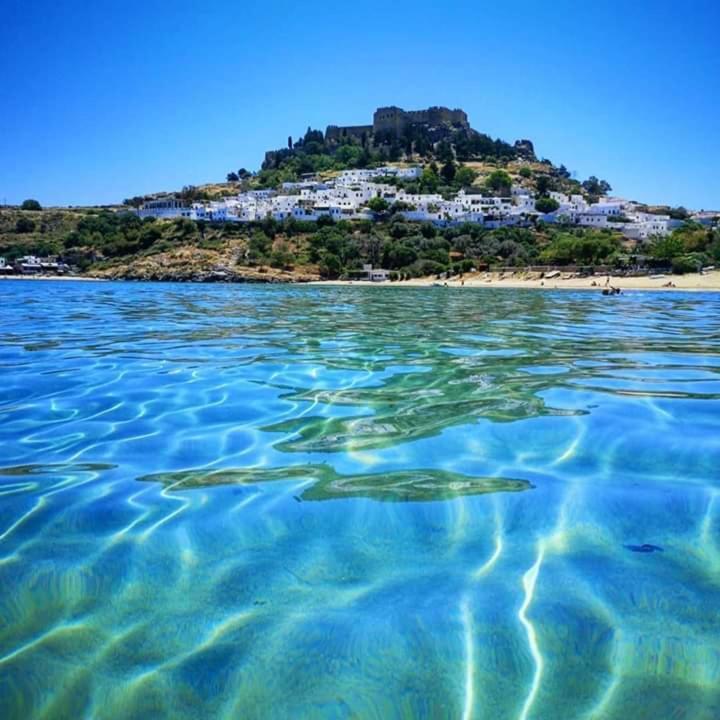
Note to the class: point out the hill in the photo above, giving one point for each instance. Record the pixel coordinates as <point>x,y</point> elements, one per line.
<point>395,135</point>
<point>455,158</point>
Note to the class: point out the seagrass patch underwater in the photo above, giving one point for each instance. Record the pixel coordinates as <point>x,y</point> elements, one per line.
<point>339,502</point>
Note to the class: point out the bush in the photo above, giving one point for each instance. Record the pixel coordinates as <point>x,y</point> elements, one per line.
<point>24,225</point>
<point>325,221</point>
<point>428,267</point>
<point>686,264</point>
<point>31,205</point>
<point>330,266</point>
<point>498,181</point>
<point>378,204</point>
<point>462,266</point>
<point>546,205</point>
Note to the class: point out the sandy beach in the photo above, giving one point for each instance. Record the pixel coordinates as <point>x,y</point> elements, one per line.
<point>707,282</point>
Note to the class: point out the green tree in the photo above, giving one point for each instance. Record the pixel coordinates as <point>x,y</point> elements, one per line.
<point>330,266</point>
<point>543,184</point>
<point>349,155</point>
<point>444,152</point>
<point>686,264</point>
<point>593,186</point>
<point>31,205</point>
<point>668,247</point>
<point>448,171</point>
<point>525,172</point>
<point>378,204</point>
<point>546,204</point>
<point>498,181</point>
<point>258,247</point>
<point>232,177</point>
<point>429,179</point>
<point>281,256</point>
<point>465,176</point>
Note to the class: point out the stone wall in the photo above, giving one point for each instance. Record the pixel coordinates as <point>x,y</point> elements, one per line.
<point>393,120</point>
<point>334,133</point>
<point>390,119</point>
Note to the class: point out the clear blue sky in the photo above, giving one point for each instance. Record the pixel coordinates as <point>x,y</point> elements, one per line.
<point>103,100</point>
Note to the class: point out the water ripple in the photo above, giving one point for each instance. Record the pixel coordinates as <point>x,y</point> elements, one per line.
<point>342,502</point>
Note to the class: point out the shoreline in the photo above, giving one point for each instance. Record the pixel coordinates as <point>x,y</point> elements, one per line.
<point>84,278</point>
<point>709,282</point>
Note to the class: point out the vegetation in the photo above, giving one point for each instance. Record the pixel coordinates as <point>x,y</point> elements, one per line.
<point>378,204</point>
<point>312,153</point>
<point>462,160</point>
<point>588,248</point>
<point>24,225</point>
<point>499,182</point>
<point>546,204</point>
<point>687,249</point>
<point>98,239</point>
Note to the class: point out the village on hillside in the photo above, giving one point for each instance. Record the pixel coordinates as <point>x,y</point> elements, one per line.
<point>403,179</point>
<point>352,195</point>
<point>441,133</point>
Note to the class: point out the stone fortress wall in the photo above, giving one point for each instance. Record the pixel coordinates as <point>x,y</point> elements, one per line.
<point>395,120</point>
<point>336,132</point>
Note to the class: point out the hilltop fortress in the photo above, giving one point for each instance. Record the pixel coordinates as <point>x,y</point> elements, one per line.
<point>393,122</point>
<point>395,131</point>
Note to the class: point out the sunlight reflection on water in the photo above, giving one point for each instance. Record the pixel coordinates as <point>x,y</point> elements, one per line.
<point>257,502</point>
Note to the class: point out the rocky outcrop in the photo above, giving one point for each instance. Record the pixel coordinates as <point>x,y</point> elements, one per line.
<point>525,149</point>
<point>188,264</point>
<point>236,275</point>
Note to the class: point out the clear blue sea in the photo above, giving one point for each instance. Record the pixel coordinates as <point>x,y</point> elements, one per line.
<point>335,502</point>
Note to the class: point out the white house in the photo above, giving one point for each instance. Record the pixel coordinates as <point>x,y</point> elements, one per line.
<point>168,207</point>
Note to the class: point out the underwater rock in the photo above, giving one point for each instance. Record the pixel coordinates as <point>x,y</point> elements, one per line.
<point>646,548</point>
<point>419,485</point>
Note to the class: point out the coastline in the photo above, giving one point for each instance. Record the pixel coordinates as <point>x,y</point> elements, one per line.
<point>709,282</point>
<point>85,278</point>
<point>694,282</point>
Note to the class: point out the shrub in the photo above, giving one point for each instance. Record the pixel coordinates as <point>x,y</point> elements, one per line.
<point>428,267</point>
<point>330,266</point>
<point>686,264</point>
<point>546,205</point>
<point>378,204</point>
<point>31,205</point>
<point>499,181</point>
<point>325,221</point>
<point>24,225</point>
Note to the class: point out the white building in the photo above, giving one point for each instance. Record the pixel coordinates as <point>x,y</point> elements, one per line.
<point>370,273</point>
<point>168,207</point>
<point>348,195</point>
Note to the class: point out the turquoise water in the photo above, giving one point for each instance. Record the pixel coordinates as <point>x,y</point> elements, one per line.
<point>318,502</point>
